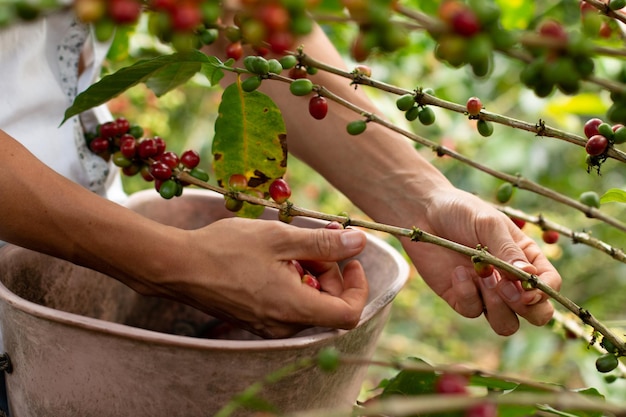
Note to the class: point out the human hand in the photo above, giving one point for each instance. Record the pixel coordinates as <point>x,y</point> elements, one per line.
<point>242,270</point>
<point>464,218</point>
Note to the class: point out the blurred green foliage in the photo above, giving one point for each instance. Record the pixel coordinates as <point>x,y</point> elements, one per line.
<point>421,324</point>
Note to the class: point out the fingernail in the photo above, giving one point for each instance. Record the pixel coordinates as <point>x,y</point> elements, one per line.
<point>352,239</point>
<point>521,264</point>
<point>510,291</point>
<point>491,281</point>
<point>461,274</point>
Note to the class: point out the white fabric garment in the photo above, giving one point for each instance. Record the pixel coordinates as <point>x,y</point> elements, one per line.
<point>37,62</point>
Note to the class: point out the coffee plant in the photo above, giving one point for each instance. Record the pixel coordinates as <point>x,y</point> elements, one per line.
<point>568,52</point>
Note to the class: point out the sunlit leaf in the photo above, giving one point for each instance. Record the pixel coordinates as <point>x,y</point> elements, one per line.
<point>250,139</point>
<point>614,195</point>
<point>162,74</point>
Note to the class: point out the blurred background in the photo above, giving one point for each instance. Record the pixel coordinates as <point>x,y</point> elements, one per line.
<point>421,324</point>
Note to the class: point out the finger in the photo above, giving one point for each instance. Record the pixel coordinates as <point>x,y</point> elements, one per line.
<point>546,273</point>
<point>331,280</point>
<point>467,299</point>
<point>532,305</point>
<point>502,319</point>
<point>320,244</point>
<point>342,311</point>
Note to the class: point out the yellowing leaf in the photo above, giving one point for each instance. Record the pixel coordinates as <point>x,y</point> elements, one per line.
<point>250,139</point>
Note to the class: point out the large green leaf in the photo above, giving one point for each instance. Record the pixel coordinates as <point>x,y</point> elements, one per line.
<point>161,74</point>
<point>250,139</point>
<point>614,195</point>
<point>411,382</point>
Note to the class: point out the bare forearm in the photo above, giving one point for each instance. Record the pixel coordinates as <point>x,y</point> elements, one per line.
<point>366,167</point>
<point>44,211</point>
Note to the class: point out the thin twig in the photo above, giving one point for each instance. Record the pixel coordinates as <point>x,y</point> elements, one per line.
<point>576,237</point>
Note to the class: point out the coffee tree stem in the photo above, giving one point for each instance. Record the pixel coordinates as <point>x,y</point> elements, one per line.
<point>577,237</point>
<point>516,180</point>
<point>539,128</point>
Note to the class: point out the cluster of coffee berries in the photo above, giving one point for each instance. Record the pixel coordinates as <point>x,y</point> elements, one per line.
<point>377,31</point>
<point>126,147</point>
<point>600,137</point>
<point>414,111</point>
<point>456,384</point>
<point>595,22</point>
<point>608,361</point>
<point>269,25</point>
<point>259,69</point>
<point>474,106</point>
<point>278,190</point>
<point>184,24</point>
<point>471,32</point>
<point>562,63</point>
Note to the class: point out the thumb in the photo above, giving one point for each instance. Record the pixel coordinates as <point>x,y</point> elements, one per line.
<point>323,244</point>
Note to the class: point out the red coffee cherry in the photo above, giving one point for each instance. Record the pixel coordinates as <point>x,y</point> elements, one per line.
<point>550,236</point>
<point>234,50</point>
<point>318,107</point>
<point>474,106</point>
<point>279,190</point>
<point>190,159</point>
<point>596,145</point>
<point>591,127</point>
<point>451,384</point>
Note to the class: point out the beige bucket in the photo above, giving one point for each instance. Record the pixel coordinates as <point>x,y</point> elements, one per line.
<point>82,344</point>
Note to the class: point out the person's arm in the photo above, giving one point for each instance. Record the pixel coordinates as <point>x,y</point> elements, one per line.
<point>381,172</point>
<point>237,269</point>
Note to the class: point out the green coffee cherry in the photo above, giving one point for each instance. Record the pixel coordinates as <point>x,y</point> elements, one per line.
<point>120,160</point>
<point>168,189</point>
<point>232,204</point>
<point>606,363</point>
<point>200,174</point>
<point>136,131</point>
<point>301,87</point>
<point>405,102</point>
<point>328,359</point>
<point>356,127</point>
<point>504,192</point>
<point>590,198</point>
<point>619,136</point>
<point>608,345</point>
<point>484,128</point>
<point>256,64</point>
<point>250,84</point>
<point>426,116</point>
<point>412,113</point>
<point>288,61</point>
<point>275,66</point>
<point>605,130</point>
